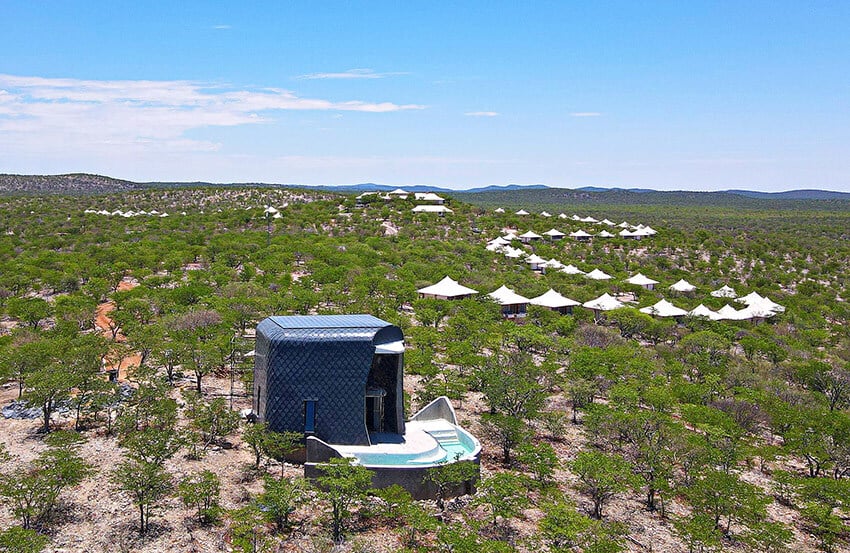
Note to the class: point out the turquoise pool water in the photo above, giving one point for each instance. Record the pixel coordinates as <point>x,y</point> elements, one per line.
<point>464,449</point>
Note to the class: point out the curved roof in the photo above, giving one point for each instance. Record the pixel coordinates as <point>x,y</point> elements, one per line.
<point>530,234</point>
<point>506,296</point>
<point>521,212</point>
<point>554,232</point>
<point>553,299</point>
<point>448,288</point>
<point>580,234</point>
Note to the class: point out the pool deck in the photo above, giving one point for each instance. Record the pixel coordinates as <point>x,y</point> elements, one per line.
<point>415,442</point>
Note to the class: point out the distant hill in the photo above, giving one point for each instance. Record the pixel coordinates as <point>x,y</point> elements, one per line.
<point>75,183</point>
<point>794,195</point>
<point>510,194</point>
<point>564,199</point>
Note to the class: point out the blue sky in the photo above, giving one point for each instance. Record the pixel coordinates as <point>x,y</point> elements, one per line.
<point>665,95</point>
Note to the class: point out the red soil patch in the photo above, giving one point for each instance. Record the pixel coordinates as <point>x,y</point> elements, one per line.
<point>103,323</point>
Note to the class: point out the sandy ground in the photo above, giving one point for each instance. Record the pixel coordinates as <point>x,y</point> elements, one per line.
<point>102,322</point>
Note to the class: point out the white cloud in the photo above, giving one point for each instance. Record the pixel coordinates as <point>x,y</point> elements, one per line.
<point>585,114</point>
<point>482,113</point>
<point>350,74</point>
<point>43,115</point>
<point>221,27</point>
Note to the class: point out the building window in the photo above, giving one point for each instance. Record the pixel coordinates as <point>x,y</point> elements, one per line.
<point>310,416</point>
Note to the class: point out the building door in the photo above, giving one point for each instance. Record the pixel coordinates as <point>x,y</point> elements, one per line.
<point>375,413</point>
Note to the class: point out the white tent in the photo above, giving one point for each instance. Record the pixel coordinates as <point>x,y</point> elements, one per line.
<point>664,309</point>
<point>545,214</point>
<point>440,209</point>
<point>495,247</point>
<point>428,197</point>
<point>499,210</point>
<point>624,225</point>
<point>641,280</point>
<point>650,231</point>
<point>729,313</point>
<point>399,192</point>
<point>580,235</point>
<point>554,264</point>
<point>447,289</point>
<point>562,216</point>
<point>703,311</point>
<point>554,300</point>
<point>572,270</point>
<point>768,305</point>
<point>510,236</point>
<point>270,210</point>
<point>724,291</point>
<point>605,234</point>
<point>607,222</point>
<point>575,217</point>
<point>596,274</point>
<point>756,311</point>
<point>605,302</point>
<point>512,303</point>
<point>626,233</point>
<point>589,219</point>
<point>683,286</point>
<point>554,234</point>
<point>513,253</point>
<point>499,241</point>
<point>521,212</point>
<point>752,297</point>
<point>535,262</point>
<point>529,236</point>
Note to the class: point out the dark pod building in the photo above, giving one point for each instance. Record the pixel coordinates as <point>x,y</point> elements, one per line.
<point>338,380</point>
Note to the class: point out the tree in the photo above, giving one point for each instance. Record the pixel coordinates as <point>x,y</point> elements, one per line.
<point>282,497</point>
<point>48,384</point>
<point>540,459</point>
<point>342,484</point>
<point>507,431</point>
<point>265,442</point>
<point>505,494</point>
<point>580,392</point>
<point>564,529</point>
<point>448,476</point>
<point>201,491</point>
<point>18,539</point>
<point>196,333</point>
<point>246,529</point>
<point>213,420</point>
<point>725,498</point>
<point>146,483</point>
<point>29,310</point>
<point>33,491</point>
<point>601,476</point>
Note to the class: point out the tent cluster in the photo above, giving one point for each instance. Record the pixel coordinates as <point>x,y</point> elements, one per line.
<point>433,202</point>
<point>512,304</point>
<point>128,213</point>
<point>627,230</point>
<point>515,305</point>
